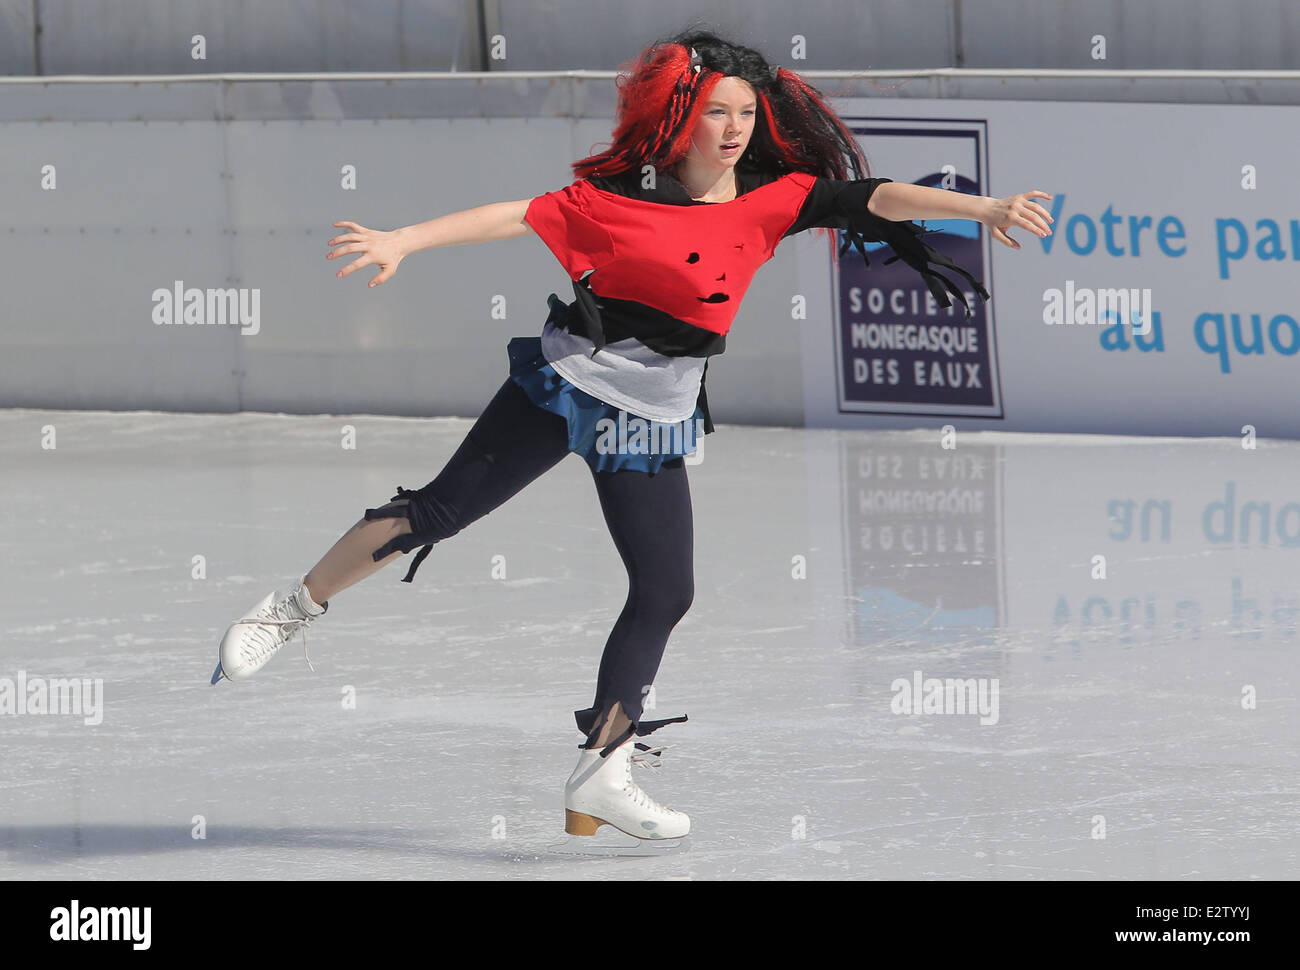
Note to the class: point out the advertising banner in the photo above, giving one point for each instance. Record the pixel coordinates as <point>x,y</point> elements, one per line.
<point>1163,302</point>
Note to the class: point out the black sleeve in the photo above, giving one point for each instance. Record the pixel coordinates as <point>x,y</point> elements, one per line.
<point>831,203</point>
<point>843,205</point>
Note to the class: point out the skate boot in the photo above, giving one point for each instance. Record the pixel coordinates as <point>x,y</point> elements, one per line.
<point>602,792</point>
<point>253,640</point>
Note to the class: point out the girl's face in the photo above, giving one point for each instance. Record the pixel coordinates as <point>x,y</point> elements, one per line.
<point>727,120</point>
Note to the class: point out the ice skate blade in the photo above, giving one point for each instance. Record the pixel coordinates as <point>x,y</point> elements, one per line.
<point>217,675</point>
<point>611,842</point>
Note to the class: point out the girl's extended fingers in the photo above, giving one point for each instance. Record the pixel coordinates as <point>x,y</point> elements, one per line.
<point>1003,238</point>
<point>1039,208</point>
<point>1039,224</point>
<point>1033,226</point>
<point>356,264</point>
<point>351,225</point>
<point>1037,194</point>
<point>344,237</point>
<point>346,249</point>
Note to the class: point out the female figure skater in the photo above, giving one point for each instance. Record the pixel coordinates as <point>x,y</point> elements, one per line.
<point>716,157</point>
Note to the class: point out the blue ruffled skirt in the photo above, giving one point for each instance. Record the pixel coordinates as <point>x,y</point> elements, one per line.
<point>607,437</point>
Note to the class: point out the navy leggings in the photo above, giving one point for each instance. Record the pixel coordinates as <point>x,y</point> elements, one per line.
<point>649,517</point>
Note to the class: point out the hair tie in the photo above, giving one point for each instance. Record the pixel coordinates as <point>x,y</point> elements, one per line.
<point>696,60</point>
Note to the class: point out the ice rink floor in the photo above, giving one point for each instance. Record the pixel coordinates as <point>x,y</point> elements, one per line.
<point>1139,723</point>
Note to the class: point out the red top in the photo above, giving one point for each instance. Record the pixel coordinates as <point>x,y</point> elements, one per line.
<point>693,262</point>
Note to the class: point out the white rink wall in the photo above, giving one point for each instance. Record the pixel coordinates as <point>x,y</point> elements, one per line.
<point>105,214</point>
<point>118,192</point>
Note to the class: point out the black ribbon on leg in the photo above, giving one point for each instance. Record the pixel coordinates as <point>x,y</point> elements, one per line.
<point>588,718</point>
<point>421,521</point>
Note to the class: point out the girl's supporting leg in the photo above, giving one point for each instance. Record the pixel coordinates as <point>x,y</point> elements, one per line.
<point>511,444</point>
<point>650,520</point>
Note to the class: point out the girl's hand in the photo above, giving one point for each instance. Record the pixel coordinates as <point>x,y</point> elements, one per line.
<point>1017,210</point>
<point>378,248</point>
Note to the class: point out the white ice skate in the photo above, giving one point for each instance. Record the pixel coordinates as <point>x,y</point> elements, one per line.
<point>253,640</point>
<point>607,813</point>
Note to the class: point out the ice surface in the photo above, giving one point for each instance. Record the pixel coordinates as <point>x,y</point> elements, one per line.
<point>1155,706</point>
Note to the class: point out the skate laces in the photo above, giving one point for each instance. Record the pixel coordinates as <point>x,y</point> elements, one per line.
<point>647,756</point>
<point>651,758</point>
<point>273,628</point>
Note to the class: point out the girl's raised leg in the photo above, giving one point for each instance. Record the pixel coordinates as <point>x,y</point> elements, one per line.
<point>511,444</point>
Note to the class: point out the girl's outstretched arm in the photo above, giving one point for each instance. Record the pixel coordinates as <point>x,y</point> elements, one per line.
<point>484,223</point>
<point>899,201</point>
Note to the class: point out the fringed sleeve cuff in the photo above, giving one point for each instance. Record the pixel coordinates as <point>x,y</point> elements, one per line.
<point>905,240</point>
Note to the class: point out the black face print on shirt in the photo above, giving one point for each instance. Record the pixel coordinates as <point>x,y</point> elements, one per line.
<point>712,297</point>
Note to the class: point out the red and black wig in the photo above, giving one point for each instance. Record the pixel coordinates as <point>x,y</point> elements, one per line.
<point>661,100</point>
